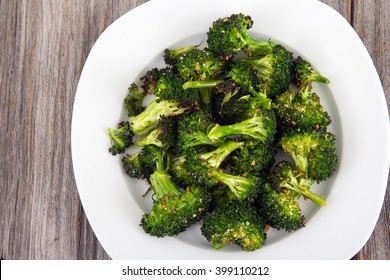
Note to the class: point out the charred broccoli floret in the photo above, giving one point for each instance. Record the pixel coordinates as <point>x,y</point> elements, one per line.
<point>300,111</point>
<point>227,36</point>
<point>121,138</point>
<point>313,153</point>
<point>170,100</point>
<point>163,136</point>
<point>280,208</point>
<point>133,100</point>
<point>171,56</point>
<point>234,223</point>
<point>252,159</point>
<point>192,129</point>
<point>274,70</point>
<point>181,169</point>
<point>304,74</point>
<point>200,65</point>
<point>203,169</point>
<point>174,210</point>
<point>284,176</point>
<point>142,164</point>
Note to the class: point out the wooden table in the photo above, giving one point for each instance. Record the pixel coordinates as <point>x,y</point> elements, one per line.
<point>43,47</point>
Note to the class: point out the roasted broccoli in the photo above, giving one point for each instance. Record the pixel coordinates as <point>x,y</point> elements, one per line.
<point>304,74</point>
<point>261,127</point>
<point>200,65</point>
<point>121,138</point>
<point>227,36</point>
<point>163,136</point>
<point>142,164</point>
<point>174,210</point>
<point>302,110</point>
<point>284,176</point>
<point>171,56</point>
<point>170,99</point>
<point>192,129</point>
<point>314,153</point>
<point>274,70</point>
<point>280,208</point>
<point>234,222</point>
<point>252,159</point>
<point>133,100</point>
<point>204,171</point>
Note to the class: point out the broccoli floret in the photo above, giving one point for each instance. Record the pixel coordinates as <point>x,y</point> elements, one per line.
<point>184,174</point>
<point>192,130</point>
<point>171,56</point>
<point>200,65</point>
<point>204,171</point>
<point>234,223</point>
<point>121,138</point>
<point>227,36</point>
<point>142,164</point>
<point>245,75</point>
<point>163,136</point>
<point>274,70</point>
<point>300,111</point>
<point>133,100</point>
<point>304,74</point>
<point>284,176</point>
<point>170,100</point>
<point>314,153</point>
<point>232,104</point>
<point>252,159</point>
<point>261,127</point>
<point>174,210</point>
<point>280,209</point>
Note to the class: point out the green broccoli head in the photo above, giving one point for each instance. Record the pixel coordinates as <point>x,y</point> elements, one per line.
<point>234,223</point>
<point>297,111</point>
<point>227,36</point>
<point>314,153</point>
<point>170,100</point>
<point>252,159</point>
<point>284,176</point>
<point>163,136</point>
<point>280,208</point>
<point>174,210</point>
<point>304,74</point>
<point>274,70</point>
<point>171,56</point>
<point>142,164</point>
<point>133,100</point>
<point>199,65</point>
<point>192,130</point>
<point>121,138</point>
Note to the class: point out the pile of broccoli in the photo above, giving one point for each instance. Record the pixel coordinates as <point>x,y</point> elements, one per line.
<point>209,138</point>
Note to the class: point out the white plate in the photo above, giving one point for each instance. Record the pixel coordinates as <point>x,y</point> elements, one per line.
<point>134,43</point>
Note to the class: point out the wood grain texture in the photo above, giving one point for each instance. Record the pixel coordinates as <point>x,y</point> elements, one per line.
<point>44,45</point>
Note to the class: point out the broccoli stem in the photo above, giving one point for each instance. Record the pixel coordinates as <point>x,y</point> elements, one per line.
<point>148,119</point>
<point>263,66</point>
<point>251,127</point>
<point>217,156</point>
<point>201,84</point>
<point>303,187</point>
<point>258,47</point>
<point>205,95</point>
<point>162,184</point>
<point>238,185</point>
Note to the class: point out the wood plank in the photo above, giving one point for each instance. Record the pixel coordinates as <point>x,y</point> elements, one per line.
<point>371,20</point>
<point>44,47</point>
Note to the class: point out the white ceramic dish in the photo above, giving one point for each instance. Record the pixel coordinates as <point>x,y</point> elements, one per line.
<point>134,43</point>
